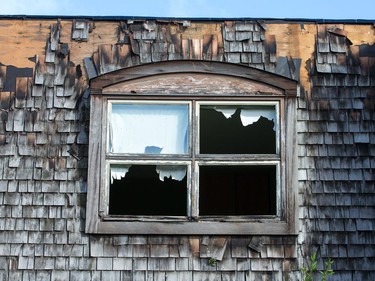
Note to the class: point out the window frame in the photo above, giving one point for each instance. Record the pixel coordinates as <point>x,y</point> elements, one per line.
<point>97,220</point>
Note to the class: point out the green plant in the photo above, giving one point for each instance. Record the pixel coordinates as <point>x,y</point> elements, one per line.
<point>310,270</point>
<point>327,270</point>
<point>212,261</point>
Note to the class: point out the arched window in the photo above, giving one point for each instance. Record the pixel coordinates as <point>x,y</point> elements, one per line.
<point>192,147</point>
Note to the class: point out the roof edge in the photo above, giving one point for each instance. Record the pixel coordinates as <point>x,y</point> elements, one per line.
<point>140,18</point>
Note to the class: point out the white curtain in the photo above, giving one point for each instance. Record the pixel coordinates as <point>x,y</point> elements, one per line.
<point>149,128</point>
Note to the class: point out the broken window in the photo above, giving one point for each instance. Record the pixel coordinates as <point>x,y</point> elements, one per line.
<point>160,133</point>
<point>239,129</point>
<point>195,159</point>
<point>148,190</point>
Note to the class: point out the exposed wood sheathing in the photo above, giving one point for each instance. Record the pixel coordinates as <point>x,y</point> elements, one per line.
<point>21,40</point>
<point>44,134</point>
<point>295,41</point>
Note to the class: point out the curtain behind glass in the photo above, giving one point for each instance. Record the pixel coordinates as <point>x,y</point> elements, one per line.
<point>149,128</point>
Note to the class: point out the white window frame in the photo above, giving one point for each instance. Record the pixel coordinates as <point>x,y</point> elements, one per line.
<point>97,218</point>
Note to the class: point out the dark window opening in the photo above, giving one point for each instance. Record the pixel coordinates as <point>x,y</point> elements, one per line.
<point>142,192</point>
<point>237,190</point>
<point>221,134</point>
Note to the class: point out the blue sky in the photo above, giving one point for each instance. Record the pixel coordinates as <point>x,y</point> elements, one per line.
<point>311,9</point>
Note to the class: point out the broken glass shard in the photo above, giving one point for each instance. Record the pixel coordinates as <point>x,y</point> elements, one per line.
<point>173,172</point>
<point>118,171</point>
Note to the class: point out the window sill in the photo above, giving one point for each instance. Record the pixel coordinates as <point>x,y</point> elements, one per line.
<point>260,227</point>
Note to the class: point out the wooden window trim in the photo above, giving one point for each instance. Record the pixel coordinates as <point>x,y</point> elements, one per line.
<point>118,84</point>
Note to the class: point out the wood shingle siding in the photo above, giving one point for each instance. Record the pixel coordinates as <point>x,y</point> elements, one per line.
<point>45,68</point>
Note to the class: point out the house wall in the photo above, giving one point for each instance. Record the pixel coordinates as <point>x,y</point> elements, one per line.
<point>44,101</point>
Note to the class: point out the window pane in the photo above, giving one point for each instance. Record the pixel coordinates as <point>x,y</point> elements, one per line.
<point>237,190</point>
<point>237,129</point>
<point>149,128</point>
<point>148,190</point>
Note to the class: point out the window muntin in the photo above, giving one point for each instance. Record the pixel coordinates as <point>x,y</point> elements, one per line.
<point>148,198</point>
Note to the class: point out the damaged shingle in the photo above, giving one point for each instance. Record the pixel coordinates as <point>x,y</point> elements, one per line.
<point>12,73</point>
<point>335,53</point>
<point>256,244</point>
<point>367,50</point>
<point>337,31</point>
<point>213,247</point>
<point>80,30</point>
<point>288,67</point>
<point>55,35</point>
<point>337,43</point>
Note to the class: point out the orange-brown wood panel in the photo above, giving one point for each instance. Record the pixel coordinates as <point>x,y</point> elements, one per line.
<point>295,40</point>
<point>23,39</point>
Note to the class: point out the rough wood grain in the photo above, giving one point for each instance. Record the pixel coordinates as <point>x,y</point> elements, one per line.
<point>288,85</point>
<point>192,84</point>
<point>94,166</point>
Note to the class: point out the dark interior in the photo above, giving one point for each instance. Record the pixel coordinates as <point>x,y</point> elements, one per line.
<point>221,135</point>
<point>237,190</point>
<point>141,192</point>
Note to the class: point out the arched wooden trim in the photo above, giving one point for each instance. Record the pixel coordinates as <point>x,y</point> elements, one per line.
<point>189,66</point>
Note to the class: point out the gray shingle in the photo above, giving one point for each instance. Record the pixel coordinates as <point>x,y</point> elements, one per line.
<point>104,263</point>
<point>120,240</point>
<point>227,264</point>
<point>122,264</point>
<point>80,30</point>
<point>235,47</point>
<point>261,265</point>
<point>179,276</point>
<point>233,57</point>
<point>31,224</point>
<point>12,199</point>
<point>243,35</point>
<point>140,264</point>
<point>44,263</point>
<point>60,275</point>
<point>137,240</point>
<point>137,251</point>
<point>364,224</point>
<point>245,26</point>
<point>183,264</point>
<point>238,247</point>
<point>249,46</point>
<point>52,250</point>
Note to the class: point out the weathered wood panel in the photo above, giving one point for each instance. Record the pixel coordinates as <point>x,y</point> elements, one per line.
<point>288,85</point>
<point>192,84</point>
